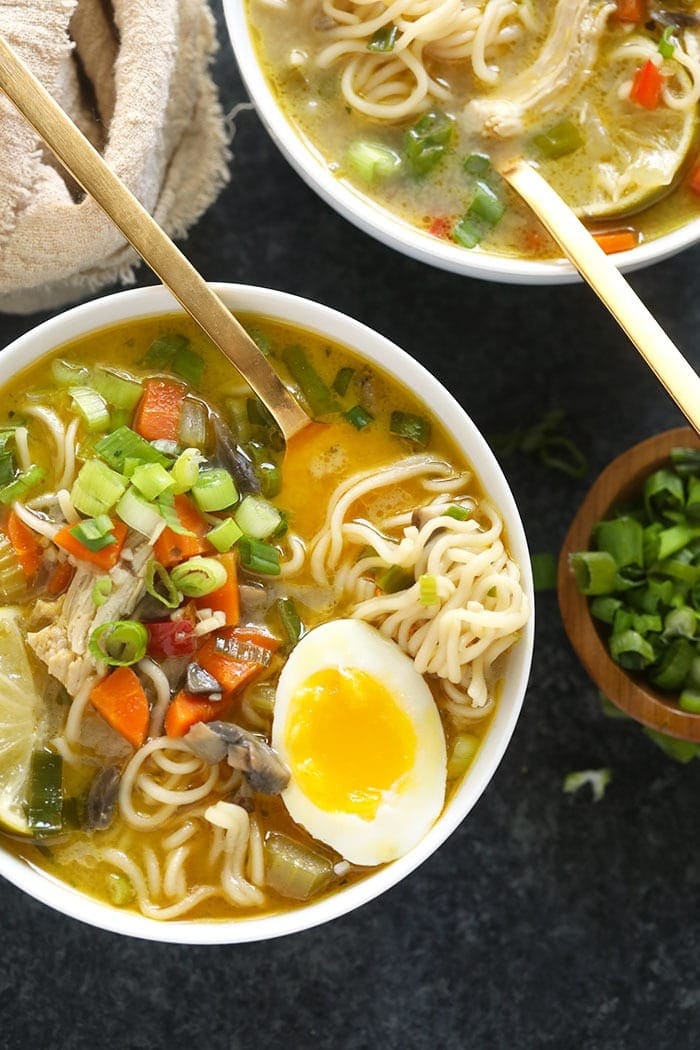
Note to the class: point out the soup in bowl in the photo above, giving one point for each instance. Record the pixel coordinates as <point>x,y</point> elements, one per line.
<point>243,690</point>
<point>398,114</point>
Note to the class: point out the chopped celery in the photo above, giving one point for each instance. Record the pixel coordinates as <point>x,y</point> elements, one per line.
<point>96,488</point>
<point>152,479</point>
<point>185,470</point>
<point>95,533</point>
<point>214,490</point>
<point>65,373</point>
<point>371,162</point>
<point>462,752</point>
<point>293,870</point>
<point>257,518</point>
<point>124,443</point>
<point>116,389</point>
<point>22,484</point>
<point>90,406</point>
<point>139,514</point>
<point>224,536</point>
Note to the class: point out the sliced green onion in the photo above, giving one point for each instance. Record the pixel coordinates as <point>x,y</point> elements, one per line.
<point>604,607</point>
<point>139,514</point>
<point>187,364</point>
<point>413,428</point>
<point>95,533</point>
<point>559,140</point>
<point>663,492</point>
<point>214,489</point>
<point>383,39</point>
<point>597,778</point>
<point>464,748</point>
<point>257,413</point>
<point>595,571</point>
<point>22,484</point>
<point>101,590</point>
<point>470,231</point>
<point>90,406</point>
<point>257,518</point>
<point>117,390</point>
<point>317,395</point>
<point>478,164</point>
<point>675,539</point>
<point>270,478</point>
<point>667,45</point>
<point>260,339</point>
<point>544,571</point>
<point>689,700</point>
<point>622,539</point>
<point>65,373</point>
<point>686,461</point>
<point>395,579</point>
<point>160,585</point>
<point>675,665</point>
<point>192,428</point>
<point>681,623</point>
<point>96,489</point>
<point>119,643</point>
<point>124,443</point>
<point>630,650</point>
<point>342,381</point>
<point>259,557</point>
<point>427,585</point>
<point>7,468</point>
<point>486,204</point>
<point>45,793</point>
<point>290,620</point>
<point>185,470</point>
<point>224,536</point>
<point>152,479</point>
<point>427,141</point>
<point>120,889</point>
<point>358,417</point>
<point>682,751</point>
<point>457,512</point>
<point>372,163</point>
<point>199,576</point>
<point>162,350</point>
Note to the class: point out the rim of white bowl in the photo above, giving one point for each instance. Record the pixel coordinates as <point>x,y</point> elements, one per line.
<point>342,329</point>
<point>381,224</point>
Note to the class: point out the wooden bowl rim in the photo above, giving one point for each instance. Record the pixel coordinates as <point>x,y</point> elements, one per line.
<point>633,696</point>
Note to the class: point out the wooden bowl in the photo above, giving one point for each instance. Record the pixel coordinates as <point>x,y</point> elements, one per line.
<point>621,481</point>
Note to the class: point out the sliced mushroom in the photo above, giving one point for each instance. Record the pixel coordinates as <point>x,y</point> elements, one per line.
<point>200,683</point>
<point>233,458</point>
<point>668,14</point>
<point>257,761</point>
<point>102,799</point>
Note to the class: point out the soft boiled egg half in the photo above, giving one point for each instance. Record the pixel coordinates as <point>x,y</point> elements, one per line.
<point>360,732</point>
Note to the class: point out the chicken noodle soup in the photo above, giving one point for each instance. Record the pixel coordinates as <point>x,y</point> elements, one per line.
<point>233,683</point>
<point>412,101</point>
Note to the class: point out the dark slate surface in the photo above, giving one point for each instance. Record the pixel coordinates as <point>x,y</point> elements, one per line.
<point>546,920</point>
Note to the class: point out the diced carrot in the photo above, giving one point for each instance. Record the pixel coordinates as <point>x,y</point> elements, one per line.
<point>225,600</point>
<point>105,559</point>
<point>231,672</point>
<point>441,227</point>
<point>172,547</point>
<point>158,413</point>
<point>646,86</point>
<point>26,543</point>
<point>694,179</point>
<point>186,710</point>
<point>60,578</point>
<point>612,241</point>
<point>630,11</point>
<point>122,702</point>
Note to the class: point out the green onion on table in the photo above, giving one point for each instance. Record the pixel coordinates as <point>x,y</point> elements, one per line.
<point>643,580</point>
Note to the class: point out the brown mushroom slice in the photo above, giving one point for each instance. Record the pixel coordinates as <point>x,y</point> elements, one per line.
<point>257,761</point>
<point>102,799</point>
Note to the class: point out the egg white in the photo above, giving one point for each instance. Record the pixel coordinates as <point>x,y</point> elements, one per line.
<point>406,812</point>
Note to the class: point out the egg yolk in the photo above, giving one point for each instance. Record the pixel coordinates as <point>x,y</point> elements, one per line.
<point>348,740</point>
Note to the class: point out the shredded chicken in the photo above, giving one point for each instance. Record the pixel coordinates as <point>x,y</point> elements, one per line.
<point>64,626</point>
<point>557,74</point>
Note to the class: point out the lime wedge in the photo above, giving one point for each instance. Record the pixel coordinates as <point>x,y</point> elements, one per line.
<point>21,721</point>
<point>628,161</point>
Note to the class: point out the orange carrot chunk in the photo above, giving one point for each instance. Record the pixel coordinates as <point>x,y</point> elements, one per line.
<point>26,544</point>
<point>60,578</point>
<point>186,710</point>
<point>233,672</point>
<point>630,11</point>
<point>105,559</point>
<point>121,701</point>
<point>617,240</point>
<point>646,86</point>
<point>158,413</point>
<point>226,599</point>
<point>173,547</point>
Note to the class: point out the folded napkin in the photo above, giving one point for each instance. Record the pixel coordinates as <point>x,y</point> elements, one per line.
<point>133,74</point>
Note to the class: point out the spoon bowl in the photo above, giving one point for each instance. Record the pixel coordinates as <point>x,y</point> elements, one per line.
<point>619,482</point>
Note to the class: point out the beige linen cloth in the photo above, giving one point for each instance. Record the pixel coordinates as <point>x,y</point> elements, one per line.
<point>133,74</point>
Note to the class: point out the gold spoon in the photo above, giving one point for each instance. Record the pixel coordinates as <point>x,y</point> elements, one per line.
<point>663,357</point>
<point>145,235</point>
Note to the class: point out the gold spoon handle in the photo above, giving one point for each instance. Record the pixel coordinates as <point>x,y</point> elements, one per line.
<point>153,245</point>
<point>663,357</point>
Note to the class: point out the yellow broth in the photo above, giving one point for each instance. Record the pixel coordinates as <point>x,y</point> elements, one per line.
<point>321,461</point>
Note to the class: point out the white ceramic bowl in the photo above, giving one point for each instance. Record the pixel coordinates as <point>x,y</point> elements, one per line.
<point>390,229</point>
<point>339,328</point>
